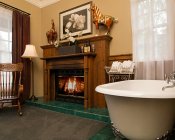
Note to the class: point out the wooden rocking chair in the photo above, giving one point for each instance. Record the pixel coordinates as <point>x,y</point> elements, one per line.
<point>10,85</point>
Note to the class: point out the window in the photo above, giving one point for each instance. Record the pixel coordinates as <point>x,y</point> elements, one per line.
<point>5,35</point>
<point>150,21</point>
<point>153,37</point>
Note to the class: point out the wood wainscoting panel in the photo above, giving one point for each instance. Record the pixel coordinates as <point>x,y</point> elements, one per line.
<point>120,58</point>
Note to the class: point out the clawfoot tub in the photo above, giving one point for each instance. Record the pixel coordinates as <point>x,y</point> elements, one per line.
<point>139,109</point>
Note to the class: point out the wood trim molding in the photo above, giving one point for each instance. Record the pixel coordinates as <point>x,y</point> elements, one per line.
<point>121,58</point>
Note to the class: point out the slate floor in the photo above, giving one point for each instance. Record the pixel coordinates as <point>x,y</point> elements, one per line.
<point>92,113</point>
<point>78,110</point>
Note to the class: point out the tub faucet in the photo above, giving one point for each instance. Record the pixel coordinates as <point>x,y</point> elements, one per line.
<point>170,79</point>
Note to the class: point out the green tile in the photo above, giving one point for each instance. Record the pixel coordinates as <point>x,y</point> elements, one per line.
<point>73,109</point>
<point>104,134</point>
<point>101,137</point>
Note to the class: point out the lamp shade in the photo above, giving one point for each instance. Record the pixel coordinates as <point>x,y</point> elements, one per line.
<point>30,52</point>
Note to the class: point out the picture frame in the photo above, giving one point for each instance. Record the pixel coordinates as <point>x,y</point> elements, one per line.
<point>76,21</point>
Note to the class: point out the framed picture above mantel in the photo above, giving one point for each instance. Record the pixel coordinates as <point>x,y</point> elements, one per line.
<point>76,21</point>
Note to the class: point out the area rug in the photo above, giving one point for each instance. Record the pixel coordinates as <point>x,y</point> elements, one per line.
<point>42,124</point>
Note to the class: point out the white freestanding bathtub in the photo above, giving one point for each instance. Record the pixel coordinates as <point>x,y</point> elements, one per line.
<point>139,109</point>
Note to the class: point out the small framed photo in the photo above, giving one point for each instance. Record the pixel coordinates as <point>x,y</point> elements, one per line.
<point>76,21</point>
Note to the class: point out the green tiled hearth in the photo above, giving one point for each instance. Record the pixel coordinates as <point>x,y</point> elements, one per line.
<point>78,110</point>
<point>104,134</point>
<point>73,109</point>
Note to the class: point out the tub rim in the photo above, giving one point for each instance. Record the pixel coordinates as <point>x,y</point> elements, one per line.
<point>166,94</point>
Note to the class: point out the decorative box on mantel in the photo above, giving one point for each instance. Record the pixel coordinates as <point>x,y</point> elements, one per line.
<point>64,50</point>
<point>92,64</point>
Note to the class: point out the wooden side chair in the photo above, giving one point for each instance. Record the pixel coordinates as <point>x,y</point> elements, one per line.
<point>10,85</point>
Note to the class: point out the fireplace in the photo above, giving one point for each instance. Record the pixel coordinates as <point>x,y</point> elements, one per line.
<point>91,64</point>
<point>70,85</point>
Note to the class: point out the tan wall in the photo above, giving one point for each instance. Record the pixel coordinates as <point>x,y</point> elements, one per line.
<point>121,31</point>
<point>41,23</point>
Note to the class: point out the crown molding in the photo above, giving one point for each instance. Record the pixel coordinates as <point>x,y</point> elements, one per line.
<point>42,3</point>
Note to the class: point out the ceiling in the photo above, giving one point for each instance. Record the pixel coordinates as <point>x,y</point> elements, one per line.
<point>42,3</point>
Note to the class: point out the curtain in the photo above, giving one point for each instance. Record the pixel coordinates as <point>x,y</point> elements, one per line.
<point>153,35</point>
<point>21,37</point>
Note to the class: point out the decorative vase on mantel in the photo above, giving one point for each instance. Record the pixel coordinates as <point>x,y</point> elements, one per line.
<point>52,34</point>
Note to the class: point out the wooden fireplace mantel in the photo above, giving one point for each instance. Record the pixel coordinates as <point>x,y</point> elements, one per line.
<point>70,55</point>
<point>93,64</point>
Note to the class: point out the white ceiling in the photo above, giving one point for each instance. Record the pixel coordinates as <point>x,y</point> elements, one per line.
<point>42,3</point>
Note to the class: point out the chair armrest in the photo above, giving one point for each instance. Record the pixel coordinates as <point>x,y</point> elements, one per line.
<point>20,89</point>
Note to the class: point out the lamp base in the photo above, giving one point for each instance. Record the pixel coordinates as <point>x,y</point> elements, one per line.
<point>33,97</point>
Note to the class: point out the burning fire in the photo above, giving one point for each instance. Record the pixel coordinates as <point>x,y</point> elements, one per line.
<point>73,86</point>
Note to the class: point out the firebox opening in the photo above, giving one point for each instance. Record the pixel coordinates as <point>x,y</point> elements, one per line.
<point>70,85</point>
